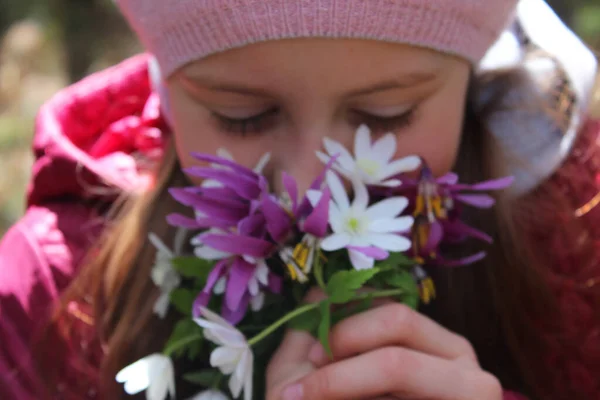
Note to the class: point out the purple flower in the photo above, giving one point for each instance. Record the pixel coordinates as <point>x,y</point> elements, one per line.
<point>437,210</point>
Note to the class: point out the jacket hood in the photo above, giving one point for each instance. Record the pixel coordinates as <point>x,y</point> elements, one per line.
<point>99,137</point>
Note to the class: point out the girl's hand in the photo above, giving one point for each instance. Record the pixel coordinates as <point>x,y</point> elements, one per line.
<point>389,352</point>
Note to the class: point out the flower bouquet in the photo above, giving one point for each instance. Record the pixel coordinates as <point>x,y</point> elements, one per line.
<point>256,253</point>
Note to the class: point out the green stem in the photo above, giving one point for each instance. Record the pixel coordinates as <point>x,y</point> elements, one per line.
<point>288,317</point>
<point>182,343</point>
<point>309,307</point>
<point>319,271</point>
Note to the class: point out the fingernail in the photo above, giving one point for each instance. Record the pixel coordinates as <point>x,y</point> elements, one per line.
<point>316,355</point>
<point>294,392</point>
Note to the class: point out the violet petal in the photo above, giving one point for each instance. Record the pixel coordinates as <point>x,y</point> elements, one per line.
<point>217,208</point>
<point>457,230</point>
<point>371,251</point>
<point>201,301</point>
<point>244,186</point>
<point>463,261</point>
<point>237,282</point>
<point>436,234</point>
<point>476,200</point>
<point>182,221</point>
<point>238,244</point>
<point>318,220</point>
<point>252,225</point>
<point>240,169</point>
<point>279,222</point>
<point>234,317</point>
<point>449,179</point>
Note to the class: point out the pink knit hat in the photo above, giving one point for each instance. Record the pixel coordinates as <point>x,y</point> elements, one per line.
<point>180,31</point>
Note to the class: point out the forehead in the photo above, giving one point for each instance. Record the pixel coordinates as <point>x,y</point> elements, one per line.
<point>301,62</point>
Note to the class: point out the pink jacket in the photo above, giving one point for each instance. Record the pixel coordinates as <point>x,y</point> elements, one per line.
<point>93,140</point>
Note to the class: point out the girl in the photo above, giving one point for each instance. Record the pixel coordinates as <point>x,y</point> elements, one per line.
<point>77,296</point>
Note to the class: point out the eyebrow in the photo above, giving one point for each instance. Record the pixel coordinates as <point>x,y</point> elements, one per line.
<point>404,82</point>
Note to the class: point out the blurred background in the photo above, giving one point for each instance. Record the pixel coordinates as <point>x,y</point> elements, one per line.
<point>47,44</point>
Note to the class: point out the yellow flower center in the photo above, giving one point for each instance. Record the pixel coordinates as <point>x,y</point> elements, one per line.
<point>369,167</point>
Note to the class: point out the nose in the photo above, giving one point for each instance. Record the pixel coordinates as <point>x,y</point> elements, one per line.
<point>296,155</point>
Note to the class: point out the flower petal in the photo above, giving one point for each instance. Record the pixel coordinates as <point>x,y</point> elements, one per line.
<point>235,316</point>
<point>449,179</point>
<point>406,164</point>
<point>224,162</point>
<point>338,191</point>
<point>361,195</point>
<point>335,242</point>
<point>238,244</point>
<point>496,184</point>
<point>314,196</point>
<point>262,163</point>
<point>183,221</point>
<point>208,253</point>
<point>362,143</point>
<point>278,221</point>
<point>224,356</point>
<point>247,366</point>
<point>317,222</point>
<point>387,208</point>
<point>463,261</point>
<point>396,225</point>
<point>246,187</point>
<point>384,149</point>
<point>476,200</point>
<point>371,251</point>
<point>389,242</point>
<point>237,284</point>
<point>360,261</point>
<point>253,225</point>
<point>335,149</point>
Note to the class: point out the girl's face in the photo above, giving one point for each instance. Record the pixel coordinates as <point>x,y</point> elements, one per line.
<point>284,97</point>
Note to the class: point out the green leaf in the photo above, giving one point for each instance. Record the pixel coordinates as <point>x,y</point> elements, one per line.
<point>412,300</point>
<point>402,279</point>
<point>193,267</point>
<point>343,285</point>
<point>324,326</point>
<point>183,300</point>
<point>394,261</point>
<point>205,378</point>
<point>309,321</point>
<point>186,338</point>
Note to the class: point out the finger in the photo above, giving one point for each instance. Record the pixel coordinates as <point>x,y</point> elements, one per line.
<point>398,371</point>
<point>393,325</point>
<point>290,361</point>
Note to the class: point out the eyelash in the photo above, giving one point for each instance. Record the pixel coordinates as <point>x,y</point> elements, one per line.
<point>261,122</point>
<point>245,126</point>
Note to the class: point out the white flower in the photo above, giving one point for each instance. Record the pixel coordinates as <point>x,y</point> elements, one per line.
<point>154,374</point>
<point>163,274</point>
<point>210,395</point>
<point>359,225</point>
<point>234,356</point>
<point>372,163</point>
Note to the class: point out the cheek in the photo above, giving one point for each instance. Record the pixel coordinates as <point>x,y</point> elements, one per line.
<point>436,133</point>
